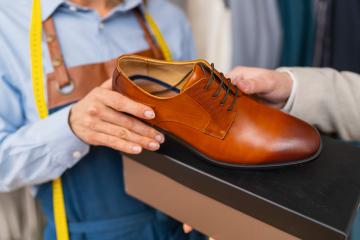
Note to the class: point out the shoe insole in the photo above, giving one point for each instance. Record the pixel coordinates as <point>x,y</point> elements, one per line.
<point>158,87</point>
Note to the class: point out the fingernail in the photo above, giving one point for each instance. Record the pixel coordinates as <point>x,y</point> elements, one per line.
<point>136,149</point>
<point>160,138</point>
<point>244,85</point>
<point>154,145</point>
<point>149,114</point>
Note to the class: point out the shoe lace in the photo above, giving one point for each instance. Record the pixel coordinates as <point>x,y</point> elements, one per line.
<point>221,85</point>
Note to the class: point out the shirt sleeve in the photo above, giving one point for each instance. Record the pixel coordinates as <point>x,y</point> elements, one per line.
<point>188,43</point>
<point>33,153</point>
<point>177,32</point>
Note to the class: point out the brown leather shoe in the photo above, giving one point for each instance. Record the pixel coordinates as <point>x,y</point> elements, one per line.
<point>199,107</point>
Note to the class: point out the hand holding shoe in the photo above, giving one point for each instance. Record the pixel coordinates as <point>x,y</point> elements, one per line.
<point>103,118</point>
<point>267,86</point>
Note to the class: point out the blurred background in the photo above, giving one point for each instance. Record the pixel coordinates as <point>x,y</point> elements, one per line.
<point>273,33</point>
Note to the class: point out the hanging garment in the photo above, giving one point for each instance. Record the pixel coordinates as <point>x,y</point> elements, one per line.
<point>20,216</point>
<point>257,33</point>
<point>337,46</point>
<point>299,32</point>
<point>338,35</point>
<point>322,9</point>
<point>211,24</point>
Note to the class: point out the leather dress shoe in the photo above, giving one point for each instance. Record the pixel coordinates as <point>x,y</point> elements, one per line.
<point>200,108</point>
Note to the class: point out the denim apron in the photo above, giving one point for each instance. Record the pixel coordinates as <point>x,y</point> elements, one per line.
<point>97,206</point>
<point>99,209</point>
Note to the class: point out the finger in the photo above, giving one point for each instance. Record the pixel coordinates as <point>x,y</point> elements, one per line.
<point>235,73</point>
<point>107,84</point>
<point>234,78</point>
<point>122,103</point>
<point>255,86</point>
<point>244,86</point>
<point>187,228</point>
<point>125,134</point>
<point>240,72</point>
<point>98,138</point>
<point>132,124</point>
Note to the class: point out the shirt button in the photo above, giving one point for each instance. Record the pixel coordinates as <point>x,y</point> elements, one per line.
<point>101,26</point>
<point>72,8</point>
<point>76,155</point>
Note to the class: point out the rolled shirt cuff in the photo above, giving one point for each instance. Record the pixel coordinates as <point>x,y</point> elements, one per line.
<point>290,102</point>
<point>69,148</point>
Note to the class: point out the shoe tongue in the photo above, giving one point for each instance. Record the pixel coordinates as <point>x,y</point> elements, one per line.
<point>195,75</point>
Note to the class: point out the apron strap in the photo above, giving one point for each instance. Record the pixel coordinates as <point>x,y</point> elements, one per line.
<point>57,59</point>
<point>60,70</point>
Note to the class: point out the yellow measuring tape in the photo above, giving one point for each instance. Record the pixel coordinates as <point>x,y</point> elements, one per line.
<point>159,37</point>
<point>37,75</point>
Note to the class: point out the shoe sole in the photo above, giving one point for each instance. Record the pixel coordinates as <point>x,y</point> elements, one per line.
<point>242,166</point>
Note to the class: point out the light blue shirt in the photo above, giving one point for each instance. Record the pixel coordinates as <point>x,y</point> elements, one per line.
<point>34,151</point>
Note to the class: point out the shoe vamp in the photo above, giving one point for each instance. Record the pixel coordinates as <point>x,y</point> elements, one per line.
<point>258,135</point>
<point>261,134</point>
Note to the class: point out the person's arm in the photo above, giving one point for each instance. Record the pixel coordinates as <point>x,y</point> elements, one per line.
<point>325,98</point>
<point>328,99</point>
<point>37,152</point>
<point>32,153</point>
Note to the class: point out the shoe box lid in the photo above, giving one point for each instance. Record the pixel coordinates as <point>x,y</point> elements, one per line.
<point>315,200</point>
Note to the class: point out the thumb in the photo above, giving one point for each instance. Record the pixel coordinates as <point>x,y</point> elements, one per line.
<point>244,86</point>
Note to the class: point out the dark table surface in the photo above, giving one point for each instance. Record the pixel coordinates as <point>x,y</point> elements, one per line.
<point>316,200</point>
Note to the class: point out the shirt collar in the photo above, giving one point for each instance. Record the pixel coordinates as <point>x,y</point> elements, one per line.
<point>50,6</point>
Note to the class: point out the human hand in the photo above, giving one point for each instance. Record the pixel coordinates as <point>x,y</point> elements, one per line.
<point>268,86</point>
<point>188,229</point>
<point>102,118</point>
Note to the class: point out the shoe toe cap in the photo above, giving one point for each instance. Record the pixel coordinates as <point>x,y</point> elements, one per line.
<point>300,142</point>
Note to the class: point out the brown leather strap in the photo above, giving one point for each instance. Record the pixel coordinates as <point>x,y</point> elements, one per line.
<point>62,75</point>
<point>85,78</point>
<point>82,79</point>
<point>148,37</point>
<point>56,56</point>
